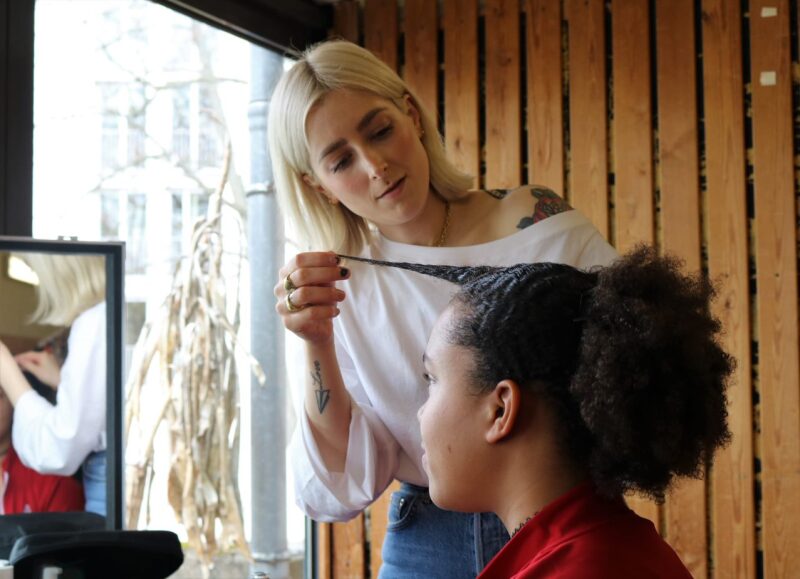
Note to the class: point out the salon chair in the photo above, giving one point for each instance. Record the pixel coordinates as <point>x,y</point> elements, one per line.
<point>14,527</point>
<point>97,555</point>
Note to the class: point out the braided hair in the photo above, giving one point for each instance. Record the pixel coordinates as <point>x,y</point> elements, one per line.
<point>627,355</point>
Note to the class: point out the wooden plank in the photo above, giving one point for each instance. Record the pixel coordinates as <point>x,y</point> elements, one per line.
<point>588,169</point>
<point>345,20</point>
<point>421,67</point>
<point>324,551</point>
<point>632,145</point>
<point>544,87</point>
<point>379,520</point>
<point>461,117</point>
<point>733,515</point>
<point>503,110</point>
<point>685,508</point>
<point>348,549</point>
<point>632,135</point>
<point>380,29</point>
<point>776,277</point>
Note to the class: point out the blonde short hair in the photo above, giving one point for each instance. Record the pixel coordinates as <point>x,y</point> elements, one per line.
<point>325,67</point>
<point>68,285</point>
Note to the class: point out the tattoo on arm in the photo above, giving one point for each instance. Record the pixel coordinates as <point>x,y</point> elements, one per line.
<point>547,205</point>
<point>323,394</point>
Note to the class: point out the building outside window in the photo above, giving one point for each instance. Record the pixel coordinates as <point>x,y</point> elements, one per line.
<point>130,146</point>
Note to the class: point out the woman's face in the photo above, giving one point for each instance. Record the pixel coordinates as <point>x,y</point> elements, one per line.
<point>451,423</point>
<point>367,154</point>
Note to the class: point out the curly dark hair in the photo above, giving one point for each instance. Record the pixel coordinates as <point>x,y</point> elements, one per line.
<point>627,354</point>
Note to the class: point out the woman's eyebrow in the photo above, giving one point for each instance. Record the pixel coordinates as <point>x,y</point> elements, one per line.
<point>367,119</point>
<point>331,148</point>
<point>362,124</point>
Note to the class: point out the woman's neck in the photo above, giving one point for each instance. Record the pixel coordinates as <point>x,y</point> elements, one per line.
<point>430,228</point>
<point>530,488</point>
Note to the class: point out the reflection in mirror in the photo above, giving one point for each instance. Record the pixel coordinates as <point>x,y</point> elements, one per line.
<point>53,382</point>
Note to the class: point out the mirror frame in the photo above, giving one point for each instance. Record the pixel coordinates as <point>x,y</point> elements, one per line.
<point>114,252</point>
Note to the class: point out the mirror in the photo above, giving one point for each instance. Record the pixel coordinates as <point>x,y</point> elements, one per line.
<point>61,325</point>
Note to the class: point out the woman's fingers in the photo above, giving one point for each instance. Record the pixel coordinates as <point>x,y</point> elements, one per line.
<point>309,259</point>
<point>309,269</point>
<point>315,276</point>
<point>306,296</point>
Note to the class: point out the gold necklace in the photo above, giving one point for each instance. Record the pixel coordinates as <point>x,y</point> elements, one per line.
<point>443,234</point>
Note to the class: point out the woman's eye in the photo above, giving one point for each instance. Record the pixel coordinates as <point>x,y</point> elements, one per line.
<point>381,133</point>
<point>343,162</point>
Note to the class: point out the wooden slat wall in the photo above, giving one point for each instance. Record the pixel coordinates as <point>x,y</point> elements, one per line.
<point>461,92</point>
<point>503,108</point>
<point>381,29</point>
<point>588,110</point>
<point>632,139</point>
<point>545,97</point>
<point>653,145</point>
<point>685,511</point>
<point>733,513</point>
<point>775,251</point>
<point>421,67</point>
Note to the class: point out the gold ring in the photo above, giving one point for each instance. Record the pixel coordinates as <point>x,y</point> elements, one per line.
<point>290,305</point>
<point>288,284</point>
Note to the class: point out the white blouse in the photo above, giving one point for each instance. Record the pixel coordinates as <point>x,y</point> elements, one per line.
<point>57,439</point>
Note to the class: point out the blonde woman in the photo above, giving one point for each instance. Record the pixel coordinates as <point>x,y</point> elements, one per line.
<point>360,169</point>
<point>60,439</point>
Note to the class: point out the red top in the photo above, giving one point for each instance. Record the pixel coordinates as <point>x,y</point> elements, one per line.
<point>27,491</point>
<point>583,535</point>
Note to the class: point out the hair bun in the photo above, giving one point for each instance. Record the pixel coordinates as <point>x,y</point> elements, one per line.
<point>651,380</point>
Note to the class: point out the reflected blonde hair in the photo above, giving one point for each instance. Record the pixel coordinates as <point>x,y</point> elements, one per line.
<point>325,67</point>
<point>68,285</point>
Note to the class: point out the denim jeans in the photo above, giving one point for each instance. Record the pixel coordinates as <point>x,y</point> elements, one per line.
<point>425,542</point>
<point>94,482</point>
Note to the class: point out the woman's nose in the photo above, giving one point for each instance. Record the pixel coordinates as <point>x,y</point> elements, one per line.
<point>377,166</point>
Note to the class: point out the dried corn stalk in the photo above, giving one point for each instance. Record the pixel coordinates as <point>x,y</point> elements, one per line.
<point>194,343</point>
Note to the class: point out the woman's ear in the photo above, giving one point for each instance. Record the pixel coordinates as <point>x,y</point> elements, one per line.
<point>503,406</point>
<point>314,184</point>
<point>413,111</point>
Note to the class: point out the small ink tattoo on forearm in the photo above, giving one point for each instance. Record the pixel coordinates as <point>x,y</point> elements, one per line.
<point>323,394</point>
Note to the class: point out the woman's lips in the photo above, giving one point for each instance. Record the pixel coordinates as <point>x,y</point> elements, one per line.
<point>394,190</point>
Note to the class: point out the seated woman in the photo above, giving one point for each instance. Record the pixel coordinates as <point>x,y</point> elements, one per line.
<point>24,490</point>
<point>553,391</point>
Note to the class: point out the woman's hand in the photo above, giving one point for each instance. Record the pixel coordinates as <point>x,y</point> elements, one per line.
<point>307,299</point>
<point>43,365</point>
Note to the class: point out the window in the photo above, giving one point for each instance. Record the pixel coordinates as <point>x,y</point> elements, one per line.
<point>155,99</point>
<point>111,121</point>
<point>109,215</point>
<point>136,120</point>
<point>181,141</point>
<point>209,140</point>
